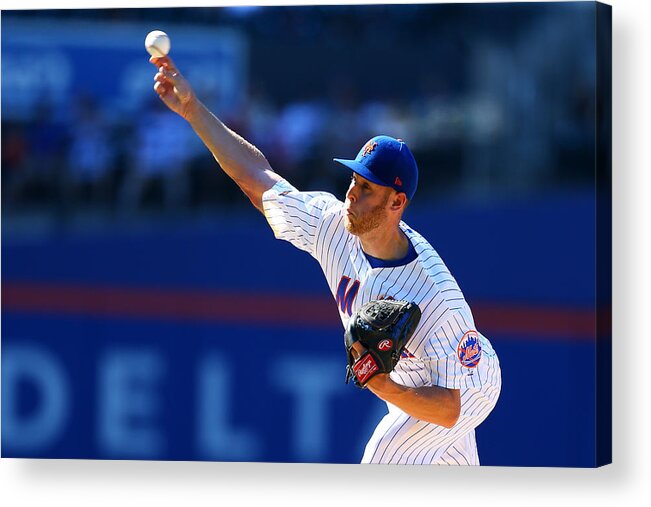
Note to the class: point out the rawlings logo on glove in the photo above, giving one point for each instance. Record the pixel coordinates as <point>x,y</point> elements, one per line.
<point>383,328</point>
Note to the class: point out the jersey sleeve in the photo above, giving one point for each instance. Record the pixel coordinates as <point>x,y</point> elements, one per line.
<point>456,355</point>
<point>296,216</point>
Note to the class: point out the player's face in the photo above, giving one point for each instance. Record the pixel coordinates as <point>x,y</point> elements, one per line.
<point>366,205</point>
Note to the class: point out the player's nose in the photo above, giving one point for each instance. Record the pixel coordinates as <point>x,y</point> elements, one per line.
<point>350,195</point>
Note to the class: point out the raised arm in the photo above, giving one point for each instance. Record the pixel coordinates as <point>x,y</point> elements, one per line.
<point>241,160</point>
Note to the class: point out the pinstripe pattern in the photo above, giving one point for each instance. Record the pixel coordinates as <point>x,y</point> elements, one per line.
<point>314,222</point>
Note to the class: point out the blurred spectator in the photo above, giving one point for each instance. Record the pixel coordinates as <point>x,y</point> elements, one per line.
<point>14,158</point>
<point>344,131</point>
<point>300,126</point>
<point>259,116</point>
<point>90,157</point>
<point>38,177</point>
<point>161,153</point>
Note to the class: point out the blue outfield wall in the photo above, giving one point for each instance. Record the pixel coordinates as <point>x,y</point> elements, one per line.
<point>83,383</point>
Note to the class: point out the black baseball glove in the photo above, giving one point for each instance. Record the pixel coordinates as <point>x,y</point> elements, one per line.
<point>383,327</point>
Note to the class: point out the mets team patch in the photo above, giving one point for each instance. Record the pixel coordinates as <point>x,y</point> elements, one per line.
<point>469,350</point>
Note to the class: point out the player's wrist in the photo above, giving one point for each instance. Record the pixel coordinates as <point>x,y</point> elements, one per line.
<point>193,109</point>
<point>381,384</point>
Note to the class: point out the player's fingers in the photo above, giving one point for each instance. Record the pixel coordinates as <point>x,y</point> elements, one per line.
<point>160,77</point>
<point>165,62</point>
<point>156,61</point>
<point>160,60</point>
<point>161,89</point>
<point>169,74</point>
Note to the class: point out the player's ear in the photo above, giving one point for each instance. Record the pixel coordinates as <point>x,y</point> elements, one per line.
<point>398,201</point>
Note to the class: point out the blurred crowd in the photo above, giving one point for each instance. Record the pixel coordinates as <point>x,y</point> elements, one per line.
<point>155,161</point>
<point>508,122</point>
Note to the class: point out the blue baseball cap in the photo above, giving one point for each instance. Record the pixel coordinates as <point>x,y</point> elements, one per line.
<point>387,162</point>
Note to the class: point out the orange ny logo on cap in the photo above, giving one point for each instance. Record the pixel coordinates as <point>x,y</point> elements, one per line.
<point>398,182</point>
<point>370,146</point>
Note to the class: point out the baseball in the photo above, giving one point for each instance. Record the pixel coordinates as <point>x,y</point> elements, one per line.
<point>157,43</point>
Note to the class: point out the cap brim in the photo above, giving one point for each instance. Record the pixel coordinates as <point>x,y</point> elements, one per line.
<point>361,170</point>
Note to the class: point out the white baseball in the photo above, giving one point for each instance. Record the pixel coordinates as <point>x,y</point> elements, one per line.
<point>157,43</point>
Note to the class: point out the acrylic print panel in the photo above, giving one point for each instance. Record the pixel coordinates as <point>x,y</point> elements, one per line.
<point>148,311</point>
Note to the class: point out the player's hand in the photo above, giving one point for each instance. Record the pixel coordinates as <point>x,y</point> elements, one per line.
<point>379,380</point>
<point>173,89</point>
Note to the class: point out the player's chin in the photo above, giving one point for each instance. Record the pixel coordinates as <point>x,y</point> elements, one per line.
<point>350,227</point>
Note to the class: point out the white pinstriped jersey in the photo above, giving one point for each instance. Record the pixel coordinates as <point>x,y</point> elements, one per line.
<point>446,350</point>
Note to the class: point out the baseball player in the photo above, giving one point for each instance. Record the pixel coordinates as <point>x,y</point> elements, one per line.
<point>448,377</point>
